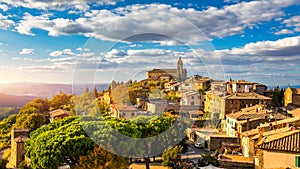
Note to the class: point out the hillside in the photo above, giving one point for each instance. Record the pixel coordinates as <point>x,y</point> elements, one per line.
<point>14,101</point>
<point>44,90</point>
<point>7,111</point>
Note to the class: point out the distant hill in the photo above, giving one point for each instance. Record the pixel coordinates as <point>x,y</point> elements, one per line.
<point>44,90</point>
<point>14,101</point>
<point>295,86</point>
<point>7,111</point>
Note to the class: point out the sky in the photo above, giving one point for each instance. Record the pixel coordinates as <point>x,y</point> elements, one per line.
<point>92,41</point>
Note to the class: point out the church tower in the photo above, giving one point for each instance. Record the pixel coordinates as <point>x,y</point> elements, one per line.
<point>180,76</point>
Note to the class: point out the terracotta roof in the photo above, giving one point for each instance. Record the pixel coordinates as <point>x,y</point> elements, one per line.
<point>187,93</point>
<point>58,112</point>
<point>250,132</point>
<point>253,112</point>
<point>288,141</point>
<point>244,115</point>
<point>165,71</point>
<point>272,132</point>
<point>21,139</point>
<point>280,122</point>
<point>21,130</point>
<point>295,112</point>
<point>296,90</point>
<point>244,96</point>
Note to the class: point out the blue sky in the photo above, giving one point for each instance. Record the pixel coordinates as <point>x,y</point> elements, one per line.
<point>64,41</point>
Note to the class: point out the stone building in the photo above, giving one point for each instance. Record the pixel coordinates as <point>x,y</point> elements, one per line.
<point>58,114</point>
<point>249,118</point>
<point>192,98</point>
<point>284,147</point>
<point>292,97</point>
<point>242,86</point>
<point>18,138</point>
<point>180,74</point>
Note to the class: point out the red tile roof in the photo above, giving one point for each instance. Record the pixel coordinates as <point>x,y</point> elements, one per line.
<point>289,141</point>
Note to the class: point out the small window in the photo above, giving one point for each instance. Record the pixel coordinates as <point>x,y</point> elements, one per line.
<point>297,161</point>
<point>132,114</point>
<point>192,103</point>
<point>192,97</point>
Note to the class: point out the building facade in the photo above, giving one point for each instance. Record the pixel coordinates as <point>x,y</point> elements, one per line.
<point>292,97</point>
<point>179,74</point>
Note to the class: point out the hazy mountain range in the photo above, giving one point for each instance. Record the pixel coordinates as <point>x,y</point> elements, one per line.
<point>18,94</point>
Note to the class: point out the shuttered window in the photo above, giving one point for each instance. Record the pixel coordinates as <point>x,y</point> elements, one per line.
<point>297,161</point>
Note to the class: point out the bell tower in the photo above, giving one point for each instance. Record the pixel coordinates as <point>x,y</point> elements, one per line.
<point>180,70</point>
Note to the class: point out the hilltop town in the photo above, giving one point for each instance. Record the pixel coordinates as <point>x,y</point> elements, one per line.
<point>240,124</point>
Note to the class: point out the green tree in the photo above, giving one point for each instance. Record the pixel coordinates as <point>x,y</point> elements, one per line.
<point>207,159</point>
<point>35,106</point>
<point>33,121</point>
<point>102,159</point>
<point>3,163</point>
<point>59,101</point>
<point>277,99</point>
<point>5,130</point>
<point>172,156</point>
<point>62,141</point>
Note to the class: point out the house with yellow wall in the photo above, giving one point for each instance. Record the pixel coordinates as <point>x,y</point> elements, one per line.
<point>292,97</point>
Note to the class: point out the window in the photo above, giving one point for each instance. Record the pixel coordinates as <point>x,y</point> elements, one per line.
<point>199,97</point>
<point>192,103</point>
<point>192,97</point>
<point>132,114</point>
<point>297,161</point>
<point>195,116</point>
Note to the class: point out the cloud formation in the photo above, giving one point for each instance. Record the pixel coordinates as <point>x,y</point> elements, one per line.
<point>65,52</point>
<point>5,23</point>
<point>26,51</point>
<point>60,5</point>
<point>145,22</point>
<point>293,22</point>
<point>258,61</point>
<point>3,7</point>
<point>284,32</point>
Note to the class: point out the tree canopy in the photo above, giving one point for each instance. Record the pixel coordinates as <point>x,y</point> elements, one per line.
<point>33,115</point>
<point>172,156</point>
<point>62,141</point>
<point>102,159</point>
<point>60,101</point>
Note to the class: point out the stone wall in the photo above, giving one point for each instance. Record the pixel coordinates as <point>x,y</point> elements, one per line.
<point>235,165</point>
<point>215,142</point>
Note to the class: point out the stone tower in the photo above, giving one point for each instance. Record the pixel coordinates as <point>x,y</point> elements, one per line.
<point>18,138</point>
<point>180,77</point>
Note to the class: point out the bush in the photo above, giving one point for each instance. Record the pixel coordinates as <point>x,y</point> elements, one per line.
<point>3,163</point>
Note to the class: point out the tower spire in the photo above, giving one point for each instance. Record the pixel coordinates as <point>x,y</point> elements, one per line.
<point>179,70</point>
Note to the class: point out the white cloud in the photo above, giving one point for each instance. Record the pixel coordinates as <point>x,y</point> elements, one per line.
<point>5,23</point>
<point>44,68</point>
<point>83,49</point>
<point>293,22</point>
<point>146,22</point>
<point>89,54</point>
<point>3,7</point>
<point>82,5</point>
<point>284,31</point>
<point>264,60</point>
<point>65,52</point>
<point>26,51</point>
